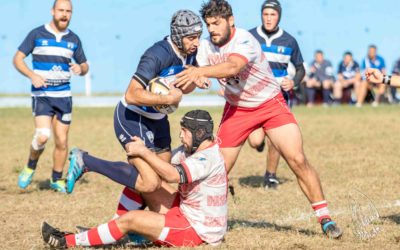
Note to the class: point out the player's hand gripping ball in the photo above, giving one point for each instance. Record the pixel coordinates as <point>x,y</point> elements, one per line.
<point>161,86</point>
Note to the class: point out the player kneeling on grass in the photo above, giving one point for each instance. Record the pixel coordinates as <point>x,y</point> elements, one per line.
<point>193,215</point>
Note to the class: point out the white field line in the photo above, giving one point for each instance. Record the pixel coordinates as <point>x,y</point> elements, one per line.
<point>341,211</point>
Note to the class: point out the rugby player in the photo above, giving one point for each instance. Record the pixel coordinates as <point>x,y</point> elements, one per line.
<point>254,100</point>
<point>135,115</point>
<point>280,49</point>
<point>194,214</point>
<point>53,46</point>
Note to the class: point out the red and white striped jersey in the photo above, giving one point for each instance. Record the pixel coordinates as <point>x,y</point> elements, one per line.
<point>255,84</point>
<point>204,193</point>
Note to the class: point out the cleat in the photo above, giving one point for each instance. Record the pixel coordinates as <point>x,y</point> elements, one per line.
<point>58,186</point>
<point>53,237</point>
<point>25,177</point>
<point>271,181</point>
<point>75,169</point>
<point>330,229</point>
<point>261,147</point>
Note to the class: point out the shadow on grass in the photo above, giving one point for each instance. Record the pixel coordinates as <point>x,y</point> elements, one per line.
<point>43,185</point>
<point>262,224</point>
<point>394,217</point>
<point>258,181</point>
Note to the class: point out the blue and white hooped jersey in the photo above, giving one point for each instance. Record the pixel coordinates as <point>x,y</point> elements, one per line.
<point>378,63</point>
<point>348,71</point>
<point>163,60</point>
<point>51,54</point>
<point>280,49</point>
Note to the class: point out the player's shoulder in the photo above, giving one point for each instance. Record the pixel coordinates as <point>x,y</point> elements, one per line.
<point>380,58</point>
<point>38,30</point>
<point>288,36</point>
<point>161,49</point>
<point>253,31</point>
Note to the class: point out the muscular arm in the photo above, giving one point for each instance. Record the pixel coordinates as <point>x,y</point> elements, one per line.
<point>227,69</point>
<point>20,64</point>
<point>166,171</point>
<point>299,76</point>
<point>137,95</point>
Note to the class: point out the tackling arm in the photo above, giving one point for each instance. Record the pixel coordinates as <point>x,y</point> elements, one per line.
<point>165,170</point>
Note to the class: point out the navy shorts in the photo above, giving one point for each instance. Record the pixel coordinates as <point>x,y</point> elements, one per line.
<point>61,107</point>
<point>154,133</point>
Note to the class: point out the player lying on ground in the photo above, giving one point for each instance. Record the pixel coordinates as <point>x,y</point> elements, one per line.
<point>254,100</point>
<point>134,114</point>
<point>194,214</point>
<point>376,76</point>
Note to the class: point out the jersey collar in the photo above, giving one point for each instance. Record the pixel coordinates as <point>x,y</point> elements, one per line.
<point>177,53</point>
<point>268,40</point>
<point>56,34</point>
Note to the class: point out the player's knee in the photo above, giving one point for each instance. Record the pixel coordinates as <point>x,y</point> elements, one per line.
<point>254,142</point>
<point>152,186</point>
<point>61,143</point>
<point>299,162</point>
<point>40,138</point>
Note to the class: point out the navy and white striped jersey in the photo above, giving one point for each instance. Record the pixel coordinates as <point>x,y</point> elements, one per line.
<point>51,54</point>
<point>348,71</point>
<point>280,49</point>
<point>163,60</point>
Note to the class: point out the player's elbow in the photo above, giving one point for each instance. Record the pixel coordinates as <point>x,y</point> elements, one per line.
<point>130,97</point>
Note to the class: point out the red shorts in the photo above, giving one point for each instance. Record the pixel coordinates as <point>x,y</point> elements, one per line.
<point>237,122</point>
<point>177,231</point>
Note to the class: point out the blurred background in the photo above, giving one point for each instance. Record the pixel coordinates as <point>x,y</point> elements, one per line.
<point>116,32</point>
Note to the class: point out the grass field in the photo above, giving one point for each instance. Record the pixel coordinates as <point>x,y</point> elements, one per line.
<point>351,149</point>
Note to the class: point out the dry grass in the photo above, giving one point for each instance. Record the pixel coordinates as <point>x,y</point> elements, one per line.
<point>351,148</point>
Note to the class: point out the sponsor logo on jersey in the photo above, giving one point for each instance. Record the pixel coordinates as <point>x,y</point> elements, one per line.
<point>150,136</point>
<point>45,43</point>
<point>70,45</point>
<point>122,137</point>
<point>281,49</point>
<point>56,68</point>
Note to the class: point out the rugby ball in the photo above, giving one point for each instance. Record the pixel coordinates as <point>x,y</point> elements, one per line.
<point>161,86</point>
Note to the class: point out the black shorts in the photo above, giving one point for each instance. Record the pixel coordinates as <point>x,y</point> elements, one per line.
<point>61,107</point>
<point>154,133</point>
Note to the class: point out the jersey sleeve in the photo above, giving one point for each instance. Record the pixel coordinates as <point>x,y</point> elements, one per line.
<point>201,57</point>
<point>79,54</point>
<point>340,68</point>
<point>195,168</point>
<point>383,65</point>
<point>150,65</point>
<point>246,47</point>
<point>178,155</point>
<point>363,66</point>
<point>28,44</point>
<point>356,67</point>
<point>296,57</point>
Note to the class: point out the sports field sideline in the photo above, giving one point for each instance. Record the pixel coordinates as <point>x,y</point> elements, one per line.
<point>351,149</point>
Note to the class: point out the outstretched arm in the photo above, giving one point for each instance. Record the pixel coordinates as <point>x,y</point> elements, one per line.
<point>231,67</point>
<point>376,76</point>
